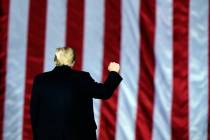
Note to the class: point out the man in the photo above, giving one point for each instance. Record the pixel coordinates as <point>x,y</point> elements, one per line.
<point>62,100</point>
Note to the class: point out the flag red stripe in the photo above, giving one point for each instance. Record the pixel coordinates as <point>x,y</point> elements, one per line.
<point>35,55</point>
<point>180,110</point>
<point>147,67</point>
<point>209,77</point>
<point>112,37</point>
<point>4,18</point>
<point>75,29</point>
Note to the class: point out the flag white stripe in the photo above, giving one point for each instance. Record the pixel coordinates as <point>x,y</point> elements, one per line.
<point>16,61</point>
<point>128,91</point>
<point>163,71</point>
<point>55,31</point>
<point>93,44</point>
<point>198,70</point>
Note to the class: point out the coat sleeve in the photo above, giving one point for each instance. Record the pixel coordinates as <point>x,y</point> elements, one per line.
<point>34,108</point>
<point>104,90</point>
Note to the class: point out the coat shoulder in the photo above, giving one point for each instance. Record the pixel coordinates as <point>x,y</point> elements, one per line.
<point>51,73</point>
<point>82,72</point>
<point>79,72</point>
<point>40,75</point>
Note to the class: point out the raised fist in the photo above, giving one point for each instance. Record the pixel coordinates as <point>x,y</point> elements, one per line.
<point>114,67</point>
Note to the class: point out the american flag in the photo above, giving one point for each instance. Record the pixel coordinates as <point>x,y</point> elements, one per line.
<point>163,47</point>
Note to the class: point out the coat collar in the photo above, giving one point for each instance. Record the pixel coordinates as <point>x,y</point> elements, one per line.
<point>62,68</point>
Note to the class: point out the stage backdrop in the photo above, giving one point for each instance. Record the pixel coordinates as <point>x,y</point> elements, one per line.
<point>161,45</point>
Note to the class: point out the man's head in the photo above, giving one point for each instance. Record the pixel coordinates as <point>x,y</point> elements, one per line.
<point>65,56</point>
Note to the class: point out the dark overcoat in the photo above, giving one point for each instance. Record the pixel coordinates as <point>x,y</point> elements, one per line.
<point>61,106</point>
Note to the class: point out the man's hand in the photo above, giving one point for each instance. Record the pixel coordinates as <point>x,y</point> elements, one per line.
<point>114,67</point>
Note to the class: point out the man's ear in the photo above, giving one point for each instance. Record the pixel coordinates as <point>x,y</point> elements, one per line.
<point>72,64</point>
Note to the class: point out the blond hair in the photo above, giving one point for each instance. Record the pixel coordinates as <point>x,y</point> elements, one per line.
<point>64,56</point>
